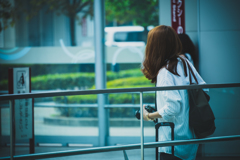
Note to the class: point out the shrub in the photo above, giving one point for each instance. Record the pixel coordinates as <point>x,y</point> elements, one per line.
<point>123,79</point>
<point>4,85</point>
<point>124,74</point>
<point>72,80</point>
<point>63,81</point>
<point>119,98</point>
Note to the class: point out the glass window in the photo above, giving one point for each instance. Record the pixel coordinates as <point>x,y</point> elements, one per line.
<point>127,36</point>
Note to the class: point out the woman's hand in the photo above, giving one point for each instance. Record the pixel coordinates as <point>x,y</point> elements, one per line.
<point>145,114</point>
<point>148,117</point>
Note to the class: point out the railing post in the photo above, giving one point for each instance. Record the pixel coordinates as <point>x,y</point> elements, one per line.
<point>142,126</point>
<point>0,125</point>
<point>100,69</point>
<point>11,129</point>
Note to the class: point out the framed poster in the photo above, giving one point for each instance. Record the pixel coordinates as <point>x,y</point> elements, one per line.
<point>22,107</point>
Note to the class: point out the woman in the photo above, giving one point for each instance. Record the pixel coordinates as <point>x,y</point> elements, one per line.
<point>164,66</point>
<point>188,49</point>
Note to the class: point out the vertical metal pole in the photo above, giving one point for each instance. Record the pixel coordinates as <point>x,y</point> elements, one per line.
<point>201,146</point>
<point>142,126</point>
<point>11,129</point>
<point>32,140</point>
<point>100,68</point>
<point>159,17</point>
<point>156,121</point>
<point>198,32</point>
<point>198,20</point>
<point>0,125</point>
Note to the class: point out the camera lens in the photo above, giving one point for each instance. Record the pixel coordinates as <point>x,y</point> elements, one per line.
<point>137,114</point>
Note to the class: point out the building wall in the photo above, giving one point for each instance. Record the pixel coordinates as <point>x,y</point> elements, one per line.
<point>219,33</point>
<point>219,56</point>
<point>218,39</point>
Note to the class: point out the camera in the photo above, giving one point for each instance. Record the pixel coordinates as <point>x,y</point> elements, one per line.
<point>148,108</point>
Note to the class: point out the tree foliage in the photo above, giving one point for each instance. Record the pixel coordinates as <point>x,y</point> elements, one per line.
<point>8,14</point>
<point>70,8</point>
<point>140,12</point>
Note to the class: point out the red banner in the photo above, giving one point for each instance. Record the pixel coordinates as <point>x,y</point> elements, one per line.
<point>178,15</point>
<point>84,27</point>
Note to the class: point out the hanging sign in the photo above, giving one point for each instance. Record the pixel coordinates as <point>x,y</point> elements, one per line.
<point>22,107</point>
<point>178,15</point>
<point>84,27</point>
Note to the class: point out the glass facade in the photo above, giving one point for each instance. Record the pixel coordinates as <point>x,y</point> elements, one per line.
<point>58,46</point>
<point>59,49</point>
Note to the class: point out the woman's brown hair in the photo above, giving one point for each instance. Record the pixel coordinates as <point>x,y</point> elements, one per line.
<point>163,45</point>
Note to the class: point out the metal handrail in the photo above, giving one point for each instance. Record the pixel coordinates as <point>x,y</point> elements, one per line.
<point>123,147</point>
<point>94,105</point>
<point>11,97</point>
<point>104,91</point>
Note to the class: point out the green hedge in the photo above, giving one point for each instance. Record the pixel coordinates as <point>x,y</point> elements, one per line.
<point>93,112</point>
<point>63,81</point>
<point>131,82</point>
<point>4,85</point>
<point>123,79</point>
<point>118,98</point>
<point>124,74</point>
<point>72,80</point>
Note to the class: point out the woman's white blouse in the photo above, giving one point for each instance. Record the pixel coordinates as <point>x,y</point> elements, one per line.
<point>173,106</point>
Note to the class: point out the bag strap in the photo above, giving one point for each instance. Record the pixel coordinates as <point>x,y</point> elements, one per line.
<point>191,71</point>
<point>156,121</point>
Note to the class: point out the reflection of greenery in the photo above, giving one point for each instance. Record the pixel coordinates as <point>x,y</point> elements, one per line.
<point>92,112</point>
<point>10,13</point>
<point>130,79</point>
<point>72,80</point>
<point>123,98</point>
<point>129,82</point>
<point>78,112</point>
<point>63,81</point>
<point>140,12</point>
<point>80,99</point>
<point>4,84</point>
<point>120,98</point>
<point>123,79</point>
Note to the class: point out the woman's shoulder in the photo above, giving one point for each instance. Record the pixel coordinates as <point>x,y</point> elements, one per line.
<point>164,76</point>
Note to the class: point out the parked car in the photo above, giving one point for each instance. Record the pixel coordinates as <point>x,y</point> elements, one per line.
<point>124,36</point>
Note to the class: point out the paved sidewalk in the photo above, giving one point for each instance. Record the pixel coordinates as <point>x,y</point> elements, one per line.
<point>149,154</point>
<point>57,130</point>
<point>114,155</point>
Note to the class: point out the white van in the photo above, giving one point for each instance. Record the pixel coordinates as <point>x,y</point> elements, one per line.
<point>124,36</point>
